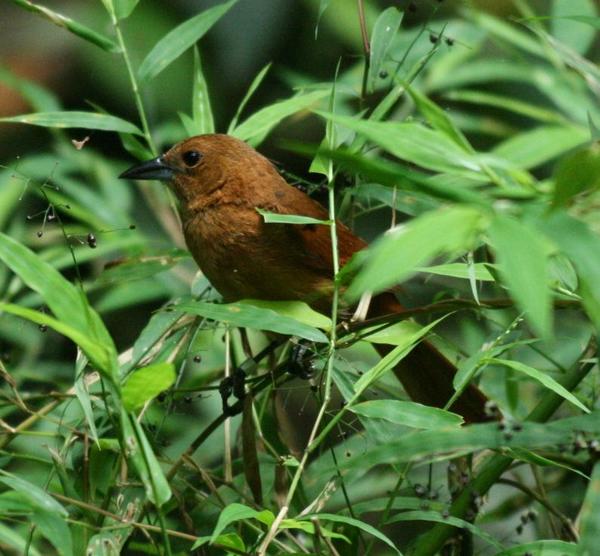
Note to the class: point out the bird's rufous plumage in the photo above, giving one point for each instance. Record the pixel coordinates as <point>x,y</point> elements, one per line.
<point>220,182</point>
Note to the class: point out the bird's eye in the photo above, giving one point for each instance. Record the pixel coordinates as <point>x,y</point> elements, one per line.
<point>191,158</point>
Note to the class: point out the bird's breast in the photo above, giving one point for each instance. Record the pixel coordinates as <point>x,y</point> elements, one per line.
<point>245,258</point>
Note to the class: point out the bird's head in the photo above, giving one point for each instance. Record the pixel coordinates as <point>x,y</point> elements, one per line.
<point>198,165</point>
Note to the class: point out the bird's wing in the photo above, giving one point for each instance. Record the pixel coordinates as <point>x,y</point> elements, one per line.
<point>313,241</point>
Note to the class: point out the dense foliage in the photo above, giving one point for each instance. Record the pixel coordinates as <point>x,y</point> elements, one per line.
<point>474,137</point>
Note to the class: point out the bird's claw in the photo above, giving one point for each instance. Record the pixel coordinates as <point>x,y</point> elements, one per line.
<point>235,385</point>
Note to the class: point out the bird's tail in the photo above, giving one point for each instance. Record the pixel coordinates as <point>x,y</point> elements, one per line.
<point>427,376</point>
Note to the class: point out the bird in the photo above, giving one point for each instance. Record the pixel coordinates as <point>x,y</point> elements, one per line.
<point>220,182</point>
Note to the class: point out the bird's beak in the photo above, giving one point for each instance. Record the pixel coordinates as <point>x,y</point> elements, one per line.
<point>155,169</point>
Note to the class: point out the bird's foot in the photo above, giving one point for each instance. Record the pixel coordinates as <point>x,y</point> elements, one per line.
<point>235,385</point>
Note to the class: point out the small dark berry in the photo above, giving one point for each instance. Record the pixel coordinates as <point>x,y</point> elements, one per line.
<point>197,358</point>
<point>433,38</point>
<point>187,399</point>
<point>43,327</point>
<point>449,41</point>
<point>383,74</point>
<point>39,234</point>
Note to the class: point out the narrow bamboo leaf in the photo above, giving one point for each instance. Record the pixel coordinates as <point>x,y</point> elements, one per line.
<point>323,5</point>
<point>253,86</point>
<point>391,359</point>
<point>297,310</point>
<point>232,513</point>
<point>99,354</point>
<point>399,253</point>
<point>437,444</point>
<point>66,301</point>
<point>540,145</point>
<point>70,25</point>
<point>179,39</point>
<point>543,379</point>
<point>544,548</point>
<point>55,529</point>
<point>437,517</point>
<point>383,34</point>
<point>42,100</point>
<point>84,120</point>
<point>460,270</point>
<point>352,522</point>
<point>37,497</point>
<point>146,383</point>
<point>439,119</point>
<point>509,103</point>
<point>201,109</point>
<point>276,218</point>
<point>139,452</point>
<point>83,395</point>
<point>252,316</point>
<point>408,414</point>
<point>523,261</point>
<point>256,127</point>
<point>414,142</point>
<point>590,516</point>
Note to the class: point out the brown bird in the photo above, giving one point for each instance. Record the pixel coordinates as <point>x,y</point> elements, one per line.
<point>220,181</point>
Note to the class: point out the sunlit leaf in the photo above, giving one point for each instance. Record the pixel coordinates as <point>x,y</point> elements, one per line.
<point>383,34</point>
<point>84,120</point>
<point>146,383</point>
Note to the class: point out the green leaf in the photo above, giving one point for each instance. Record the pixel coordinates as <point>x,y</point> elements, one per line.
<point>436,517</point>
<point>55,529</point>
<point>246,314</point>
<point>544,548</point>
<point>42,100</point>
<point>590,515</point>
<point>139,452</point>
<point>581,245</point>
<point>460,270</point>
<point>523,262</point>
<point>439,119</point>
<point>543,379</point>
<point>414,143</point>
<point>383,34</point>
<point>179,39</point>
<point>276,218</point>
<point>82,31</point>
<point>438,444</point>
<point>228,540</point>
<point>201,110</point>
<point>230,514</point>
<point>400,252</point>
<point>124,8</point>
<point>580,171</point>
<point>10,537</point>
<point>84,120</point>
<point>352,522</point>
<point>83,395</point>
<point>100,355</point>
<point>77,319</point>
<point>37,497</point>
<point>540,145</point>
<point>567,29</point>
<point>146,383</point>
<point>297,310</point>
<point>391,359</point>
<point>253,86</point>
<point>408,414</point>
<point>255,128</point>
